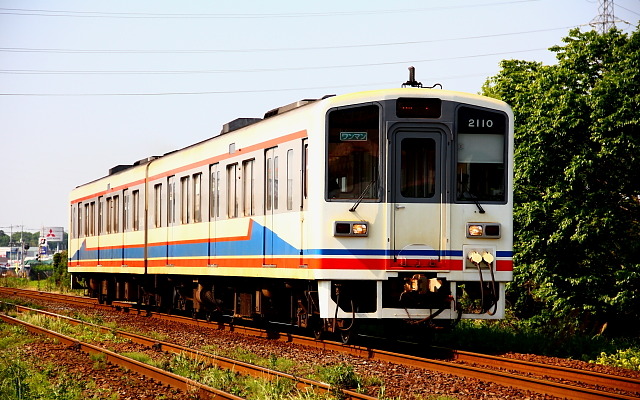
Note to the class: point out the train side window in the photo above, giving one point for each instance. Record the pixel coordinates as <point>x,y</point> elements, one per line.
<point>86,220</point>
<point>353,153</point>
<point>271,178</point>
<point>185,200</point>
<point>197,198</point>
<point>136,210</point>
<point>72,227</point>
<point>290,179</point>
<point>305,173</point>
<point>112,214</point>
<point>109,214</point>
<point>269,185</point>
<point>101,215</point>
<point>171,201</point>
<point>92,213</point>
<point>232,199</point>
<point>214,192</point>
<point>248,178</point>
<point>276,174</point>
<point>125,210</point>
<point>116,214</point>
<point>157,205</point>
<point>80,211</point>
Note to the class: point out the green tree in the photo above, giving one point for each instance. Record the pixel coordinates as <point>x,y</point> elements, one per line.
<point>577,171</point>
<point>61,275</point>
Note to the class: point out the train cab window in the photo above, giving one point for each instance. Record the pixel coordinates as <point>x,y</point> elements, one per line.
<point>353,154</point>
<point>481,155</point>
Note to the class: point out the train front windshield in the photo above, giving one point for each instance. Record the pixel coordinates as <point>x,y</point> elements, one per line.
<point>481,155</point>
<point>353,153</point>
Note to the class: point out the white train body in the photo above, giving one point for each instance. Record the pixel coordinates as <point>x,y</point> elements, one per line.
<point>389,204</point>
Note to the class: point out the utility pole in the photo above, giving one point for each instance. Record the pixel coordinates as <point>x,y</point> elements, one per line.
<point>605,19</point>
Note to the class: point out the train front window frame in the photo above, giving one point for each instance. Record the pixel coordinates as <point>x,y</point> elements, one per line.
<point>353,153</point>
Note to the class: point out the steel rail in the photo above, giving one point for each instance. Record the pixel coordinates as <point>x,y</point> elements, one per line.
<point>166,377</point>
<point>219,361</point>
<point>517,381</point>
<point>589,377</point>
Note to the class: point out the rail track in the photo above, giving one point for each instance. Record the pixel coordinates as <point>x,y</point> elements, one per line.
<point>182,383</point>
<point>540,378</point>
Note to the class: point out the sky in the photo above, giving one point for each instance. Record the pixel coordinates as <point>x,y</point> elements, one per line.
<point>87,85</point>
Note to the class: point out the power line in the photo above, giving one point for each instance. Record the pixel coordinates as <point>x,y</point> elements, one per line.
<point>195,51</point>
<point>100,14</point>
<point>253,70</point>
<point>378,84</point>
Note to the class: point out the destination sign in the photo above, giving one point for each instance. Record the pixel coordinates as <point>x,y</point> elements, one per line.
<point>476,120</point>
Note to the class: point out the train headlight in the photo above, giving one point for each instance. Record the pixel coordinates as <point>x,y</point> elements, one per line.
<point>359,229</point>
<point>351,228</point>
<point>483,230</point>
<point>474,230</point>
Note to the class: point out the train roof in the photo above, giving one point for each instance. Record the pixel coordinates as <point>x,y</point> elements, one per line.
<point>330,101</point>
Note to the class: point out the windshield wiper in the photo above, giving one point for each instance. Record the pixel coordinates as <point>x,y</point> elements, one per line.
<point>357,203</point>
<point>473,198</point>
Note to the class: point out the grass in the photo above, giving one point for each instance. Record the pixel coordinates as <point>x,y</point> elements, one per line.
<point>22,377</point>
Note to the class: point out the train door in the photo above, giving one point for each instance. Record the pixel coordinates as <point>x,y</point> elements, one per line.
<point>172,220</point>
<point>270,203</point>
<point>214,211</point>
<point>416,196</point>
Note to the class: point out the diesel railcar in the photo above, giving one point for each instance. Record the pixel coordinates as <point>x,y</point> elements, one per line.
<point>327,213</point>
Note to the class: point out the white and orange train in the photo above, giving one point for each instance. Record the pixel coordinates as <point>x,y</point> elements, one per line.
<point>327,214</point>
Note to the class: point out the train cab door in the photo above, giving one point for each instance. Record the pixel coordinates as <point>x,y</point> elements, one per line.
<point>270,203</point>
<point>416,184</point>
